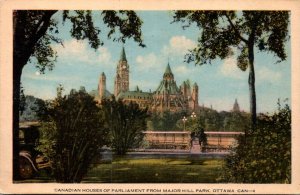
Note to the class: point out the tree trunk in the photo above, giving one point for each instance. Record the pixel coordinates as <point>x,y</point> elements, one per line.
<point>20,58</point>
<point>23,47</point>
<point>251,82</point>
<point>18,29</point>
<point>16,101</point>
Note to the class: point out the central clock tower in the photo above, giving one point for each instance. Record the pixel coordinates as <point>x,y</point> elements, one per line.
<point>122,75</point>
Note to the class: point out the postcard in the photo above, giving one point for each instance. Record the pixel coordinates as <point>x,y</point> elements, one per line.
<point>149,97</point>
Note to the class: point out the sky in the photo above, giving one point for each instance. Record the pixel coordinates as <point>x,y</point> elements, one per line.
<point>220,82</point>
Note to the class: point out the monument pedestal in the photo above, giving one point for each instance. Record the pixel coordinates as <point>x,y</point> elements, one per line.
<point>196,148</point>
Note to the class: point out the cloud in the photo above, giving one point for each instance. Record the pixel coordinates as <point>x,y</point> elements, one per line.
<point>178,45</point>
<point>47,77</point>
<point>81,51</point>
<point>182,70</point>
<point>41,92</point>
<point>70,49</point>
<point>104,55</point>
<point>148,72</point>
<point>146,86</point>
<point>266,74</point>
<point>229,69</point>
<point>148,62</point>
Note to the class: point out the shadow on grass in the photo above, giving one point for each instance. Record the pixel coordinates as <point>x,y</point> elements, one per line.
<point>148,170</point>
<point>156,170</point>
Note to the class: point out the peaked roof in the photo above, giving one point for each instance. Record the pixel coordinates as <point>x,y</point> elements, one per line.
<point>167,87</point>
<point>168,69</point>
<point>188,83</point>
<point>137,89</point>
<point>236,106</point>
<point>123,55</point>
<point>168,72</point>
<point>236,102</point>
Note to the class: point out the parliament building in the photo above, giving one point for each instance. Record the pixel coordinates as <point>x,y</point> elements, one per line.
<point>167,96</point>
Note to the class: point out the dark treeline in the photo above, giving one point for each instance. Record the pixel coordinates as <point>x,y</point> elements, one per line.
<point>29,107</point>
<point>211,120</point>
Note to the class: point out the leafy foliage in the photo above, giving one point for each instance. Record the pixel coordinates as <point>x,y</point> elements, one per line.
<point>31,108</point>
<point>212,120</point>
<point>127,23</point>
<point>83,27</point>
<point>38,31</point>
<point>207,118</point>
<point>221,31</point>
<point>265,156</point>
<point>165,121</point>
<point>35,30</point>
<point>126,124</point>
<point>72,134</point>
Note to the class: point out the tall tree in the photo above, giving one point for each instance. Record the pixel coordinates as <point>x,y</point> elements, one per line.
<point>244,30</point>
<point>35,30</point>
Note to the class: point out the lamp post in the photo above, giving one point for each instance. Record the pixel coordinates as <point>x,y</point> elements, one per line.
<point>193,115</point>
<point>184,119</point>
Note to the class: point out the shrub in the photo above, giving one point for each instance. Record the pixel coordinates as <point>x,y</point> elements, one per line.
<point>72,134</point>
<point>126,124</point>
<point>264,156</point>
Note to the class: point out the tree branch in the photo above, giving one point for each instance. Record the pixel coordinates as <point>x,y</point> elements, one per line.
<point>33,39</point>
<point>235,29</point>
<point>254,26</point>
<point>42,30</point>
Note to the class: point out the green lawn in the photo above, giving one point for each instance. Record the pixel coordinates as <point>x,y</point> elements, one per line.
<point>156,170</point>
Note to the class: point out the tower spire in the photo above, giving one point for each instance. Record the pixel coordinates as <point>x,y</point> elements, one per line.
<point>168,73</point>
<point>123,55</point>
<point>122,75</point>
<point>236,107</point>
<point>168,69</point>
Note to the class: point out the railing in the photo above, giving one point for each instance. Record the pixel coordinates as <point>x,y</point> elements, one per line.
<point>181,140</point>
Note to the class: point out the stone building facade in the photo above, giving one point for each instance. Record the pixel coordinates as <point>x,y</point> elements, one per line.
<point>167,96</point>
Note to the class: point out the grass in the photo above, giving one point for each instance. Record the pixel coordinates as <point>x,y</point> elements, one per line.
<point>156,170</point>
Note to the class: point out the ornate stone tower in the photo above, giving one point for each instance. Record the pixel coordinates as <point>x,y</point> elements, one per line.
<point>195,95</point>
<point>102,86</point>
<point>122,75</point>
<point>236,107</point>
<point>168,96</point>
<point>183,89</point>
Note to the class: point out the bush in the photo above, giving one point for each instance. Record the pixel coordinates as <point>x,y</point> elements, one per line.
<point>72,134</point>
<point>264,156</point>
<point>126,124</point>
